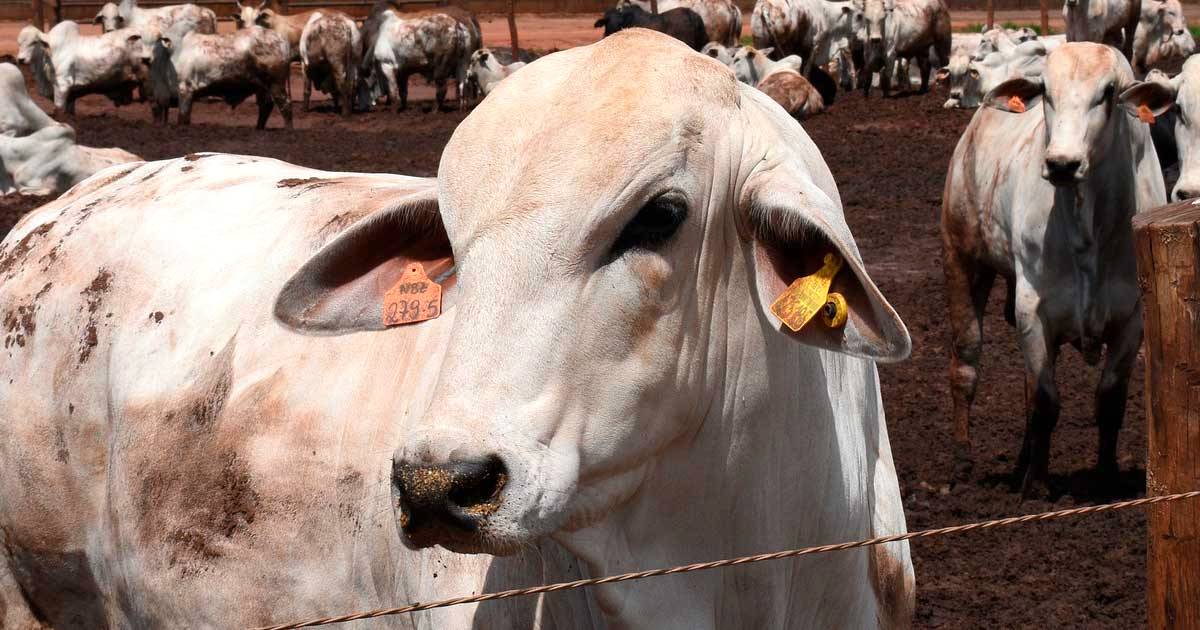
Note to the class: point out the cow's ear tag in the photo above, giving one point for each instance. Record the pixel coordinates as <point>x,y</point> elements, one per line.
<point>1145,115</point>
<point>414,298</point>
<point>1015,104</point>
<point>809,295</point>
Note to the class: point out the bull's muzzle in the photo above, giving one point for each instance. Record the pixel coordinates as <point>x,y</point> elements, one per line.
<point>1064,170</point>
<point>447,503</point>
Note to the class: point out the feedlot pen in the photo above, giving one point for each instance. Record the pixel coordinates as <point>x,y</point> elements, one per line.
<point>889,158</point>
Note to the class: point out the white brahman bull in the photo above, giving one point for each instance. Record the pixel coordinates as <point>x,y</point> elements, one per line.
<point>1162,35</point>
<point>1044,198</point>
<point>1112,22</point>
<point>173,21</point>
<point>486,71</point>
<point>436,44</point>
<point>112,64</point>
<point>809,28</point>
<point>971,79</point>
<point>330,53</point>
<point>244,442</point>
<point>38,155</point>
<point>233,66</point>
<point>781,80</point>
<point>1184,125</point>
<point>722,18</point>
<point>894,31</point>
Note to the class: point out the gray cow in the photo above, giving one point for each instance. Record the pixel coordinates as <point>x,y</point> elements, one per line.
<point>1044,198</point>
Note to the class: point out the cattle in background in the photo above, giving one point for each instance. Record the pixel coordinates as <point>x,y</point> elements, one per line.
<point>1112,22</point>
<point>970,79</point>
<point>436,44</point>
<point>330,52</point>
<point>291,27</point>
<point>682,24</point>
<point>214,461</point>
<point>1162,35</point>
<point>172,22</point>
<point>32,50</point>
<point>233,66</point>
<point>719,51</point>
<point>781,80</point>
<point>894,31</point>
<point>722,18</point>
<point>486,71</point>
<point>1185,129</point>
<point>39,156</point>
<point>112,64</point>
<point>1044,198</point>
<point>813,29</point>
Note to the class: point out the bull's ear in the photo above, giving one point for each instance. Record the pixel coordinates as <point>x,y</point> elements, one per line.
<point>98,19</point>
<point>766,52</point>
<point>1155,96</point>
<point>1015,95</point>
<point>341,288</point>
<point>789,211</point>
<point>943,74</point>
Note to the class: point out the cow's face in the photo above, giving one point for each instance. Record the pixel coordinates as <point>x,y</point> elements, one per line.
<point>874,23</point>
<point>253,15</point>
<point>109,18</point>
<point>1084,88</point>
<point>963,76</point>
<point>612,254</point>
<point>749,64</point>
<point>27,39</point>
<point>1185,87</point>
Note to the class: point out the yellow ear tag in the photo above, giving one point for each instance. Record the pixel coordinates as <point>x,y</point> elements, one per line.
<point>1145,115</point>
<point>1015,104</point>
<point>808,295</point>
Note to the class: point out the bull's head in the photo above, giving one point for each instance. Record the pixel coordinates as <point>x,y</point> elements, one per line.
<point>616,257</point>
<point>873,26</point>
<point>1084,89</point>
<point>109,18</point>
<point>1185,89</point>
<point>250,14</point>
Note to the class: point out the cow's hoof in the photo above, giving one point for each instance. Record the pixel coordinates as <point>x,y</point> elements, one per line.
<point>1034,487</point>
<point>964,465</point>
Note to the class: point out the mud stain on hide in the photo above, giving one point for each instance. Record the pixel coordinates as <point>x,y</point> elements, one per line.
<point>893,588</point>
<point>306,184</point>
<point>213,387</point>
<point>93,299</point>
<point>12,258</point>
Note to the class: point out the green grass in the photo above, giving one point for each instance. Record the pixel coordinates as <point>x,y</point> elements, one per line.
<point>747,40</point>
<point>1195,31</point>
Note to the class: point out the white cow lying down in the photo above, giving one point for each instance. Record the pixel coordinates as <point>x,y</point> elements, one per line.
<point>207,424</point>
<point>38,155</point>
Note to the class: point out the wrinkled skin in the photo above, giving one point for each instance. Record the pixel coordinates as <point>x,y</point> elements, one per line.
<point>217,469</point>
<point>1044,198</point>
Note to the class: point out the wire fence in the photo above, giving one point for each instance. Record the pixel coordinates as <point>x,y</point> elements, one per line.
<point>732,562</point>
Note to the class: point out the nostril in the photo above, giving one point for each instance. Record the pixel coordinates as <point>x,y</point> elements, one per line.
<point>1182,194</point>
<point>477,486</point>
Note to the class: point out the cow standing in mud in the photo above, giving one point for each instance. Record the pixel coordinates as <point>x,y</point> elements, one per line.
<point>75,65</point>
<point>894,31</point>
<point>223,431</point>
<point>1041,190</point>
<point>330,53</point>
<point>436,44</point>
<point>812,29</point>
<point>1112,22</point>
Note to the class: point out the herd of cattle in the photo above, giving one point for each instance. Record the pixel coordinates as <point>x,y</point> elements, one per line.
<point>210,418</point>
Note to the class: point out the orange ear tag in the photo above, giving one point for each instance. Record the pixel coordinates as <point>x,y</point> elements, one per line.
<point>414,298</point>
<point>1015,104</point>
<point>1145,115</point>
<point>808,295</point>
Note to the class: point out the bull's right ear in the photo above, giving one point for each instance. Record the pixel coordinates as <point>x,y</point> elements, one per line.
<point>341,288</point>
<point>1015,95</point>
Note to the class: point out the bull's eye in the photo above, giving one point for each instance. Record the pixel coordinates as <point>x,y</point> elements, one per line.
<point>1108,92</point>
<point>654,225</point>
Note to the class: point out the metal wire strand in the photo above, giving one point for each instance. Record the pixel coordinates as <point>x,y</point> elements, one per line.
<point>731,562</point>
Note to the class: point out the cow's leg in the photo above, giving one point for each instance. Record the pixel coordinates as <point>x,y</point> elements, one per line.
<point>967,289</point>
<point>185,107</point>
<point>440,95</point>
<point>1111,395</point>
<point>1042,400</point>
<point>279,95</point>
<point>923,63</point>
<point>265,105</point>
<point>307,92</point>
<point>885,74</point>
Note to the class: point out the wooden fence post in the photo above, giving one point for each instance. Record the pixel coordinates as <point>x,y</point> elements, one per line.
<point>1045,19</point>
<point>512,26</point>
<point>39,14</point>
<point>991,14</point>
<point>1168,241</point>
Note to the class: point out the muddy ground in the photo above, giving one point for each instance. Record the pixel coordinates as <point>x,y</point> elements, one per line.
<point>889,158</point>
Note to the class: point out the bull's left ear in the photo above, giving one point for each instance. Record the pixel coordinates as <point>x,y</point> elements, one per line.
<point>341,288</point>
<point>1155,96</point>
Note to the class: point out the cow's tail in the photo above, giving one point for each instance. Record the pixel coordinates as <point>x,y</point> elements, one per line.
<point>735,27</point>
<point>769,35</point>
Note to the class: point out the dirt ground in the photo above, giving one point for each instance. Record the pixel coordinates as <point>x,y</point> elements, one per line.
<point>889,158</point>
